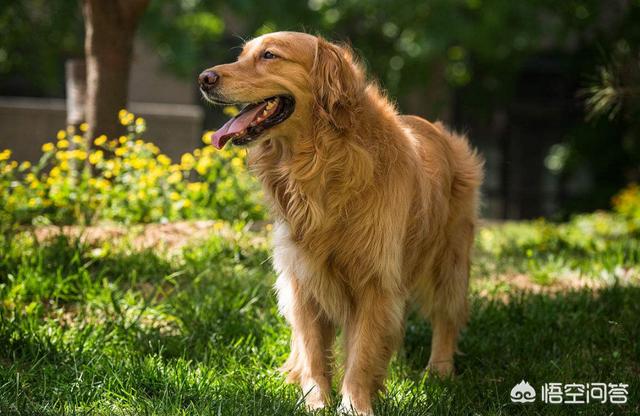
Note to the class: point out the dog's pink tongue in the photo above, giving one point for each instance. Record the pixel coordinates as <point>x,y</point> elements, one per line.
<point>236,125</point>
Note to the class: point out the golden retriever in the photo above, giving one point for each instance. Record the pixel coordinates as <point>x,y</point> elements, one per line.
<point>373,210</point>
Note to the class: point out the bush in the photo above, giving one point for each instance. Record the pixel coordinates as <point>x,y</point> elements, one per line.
<point>627,203</point>
<point>126,179</point>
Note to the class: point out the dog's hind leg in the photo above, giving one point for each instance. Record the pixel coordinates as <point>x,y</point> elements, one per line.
<point>448,306</point>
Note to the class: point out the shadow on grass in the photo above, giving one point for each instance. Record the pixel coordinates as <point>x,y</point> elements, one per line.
<point>575,337</point>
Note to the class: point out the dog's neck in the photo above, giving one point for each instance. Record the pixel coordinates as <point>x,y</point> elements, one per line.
<point>311,180</point>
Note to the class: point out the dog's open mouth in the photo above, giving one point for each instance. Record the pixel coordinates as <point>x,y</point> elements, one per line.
<point>253,120</point>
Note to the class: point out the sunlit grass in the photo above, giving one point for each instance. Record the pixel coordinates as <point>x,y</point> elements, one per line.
<point>141,331</point>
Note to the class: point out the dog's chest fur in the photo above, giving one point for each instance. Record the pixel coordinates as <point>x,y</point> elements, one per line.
<point>320,278</point>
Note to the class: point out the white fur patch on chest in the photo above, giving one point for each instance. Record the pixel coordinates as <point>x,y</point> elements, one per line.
<point>301,279</point>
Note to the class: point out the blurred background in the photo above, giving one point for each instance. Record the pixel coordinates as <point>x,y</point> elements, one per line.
<point>549,91</point>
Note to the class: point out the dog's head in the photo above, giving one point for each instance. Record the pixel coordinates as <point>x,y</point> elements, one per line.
<point>284,78</point>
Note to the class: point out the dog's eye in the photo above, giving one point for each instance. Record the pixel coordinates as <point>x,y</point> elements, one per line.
<point>268,55</point>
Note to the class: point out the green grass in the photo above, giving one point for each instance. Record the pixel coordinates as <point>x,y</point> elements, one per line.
<point>108,329</point>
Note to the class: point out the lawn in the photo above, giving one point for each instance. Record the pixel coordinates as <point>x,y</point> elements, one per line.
<point>144,320</point>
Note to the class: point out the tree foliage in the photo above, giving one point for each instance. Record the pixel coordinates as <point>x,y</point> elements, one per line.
<point>35,37</point>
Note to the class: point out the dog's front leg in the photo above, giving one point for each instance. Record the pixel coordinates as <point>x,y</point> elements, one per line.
<point>311,341</point>
<point>372,335</point>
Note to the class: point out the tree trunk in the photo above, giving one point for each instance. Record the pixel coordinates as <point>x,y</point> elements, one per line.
<point>76,91</point>
<point>110,27</point>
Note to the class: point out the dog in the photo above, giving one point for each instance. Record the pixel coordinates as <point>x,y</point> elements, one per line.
<point>373,211</point>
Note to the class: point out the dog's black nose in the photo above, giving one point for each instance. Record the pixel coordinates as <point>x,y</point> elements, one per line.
<point>208,79</point>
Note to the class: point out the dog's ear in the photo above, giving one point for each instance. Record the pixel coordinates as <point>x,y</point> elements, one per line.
<point>338,84</point>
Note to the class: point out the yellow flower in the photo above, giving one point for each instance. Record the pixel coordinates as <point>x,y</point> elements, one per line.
<point>231,111</point>
<point>103,184</point>
<point>55,172</point>
<point>122,113</point>
<point>206,137</point>
<point>64,165</point>
<point>152,148</point>
<point>121,151</point>
<point>77,139</point>
<point>139,121</point>
<point>24,165</point>
<point>95,157</point>
<point>174,196</point>
<point>100,140</point>
<point>61,134</point>
<point>207,151</point>
<point>63,144</point>
<point>186,203</point>
<point>175,177</point>
<point>187,161</point>
<point>194,186</point>
<point>138,163</point>
<point>47,147</point>
<point>84,127</point>
<point>164,160</point>
<point>32,202</point>
<point>236,162</point>
<point>79,154</point>
<point>123,139</point>
<point>5,154</point>
<point>127,119</point>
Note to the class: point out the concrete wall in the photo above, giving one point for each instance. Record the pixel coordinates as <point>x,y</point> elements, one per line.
<point>27,123</point>
<point>168,103</point>
<point>151,82</point>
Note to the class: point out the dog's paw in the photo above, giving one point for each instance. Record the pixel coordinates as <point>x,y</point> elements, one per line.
<point>348,408</point>
<point>312,405</point>
<point>314,398</point>
<point>442,369</point>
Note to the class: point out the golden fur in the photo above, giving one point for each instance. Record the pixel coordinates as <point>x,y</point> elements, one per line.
<point>373,211</point>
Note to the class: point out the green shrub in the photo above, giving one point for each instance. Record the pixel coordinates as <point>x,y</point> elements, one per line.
<point>627,203</point>
<point>126,179</point>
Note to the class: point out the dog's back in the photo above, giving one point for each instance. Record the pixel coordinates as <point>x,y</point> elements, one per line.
<point>447,157</point>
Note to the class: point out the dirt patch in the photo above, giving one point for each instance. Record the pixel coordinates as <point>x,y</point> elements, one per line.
<point>170,236</point>
<point>501,287</point>
<point>173,236</point>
